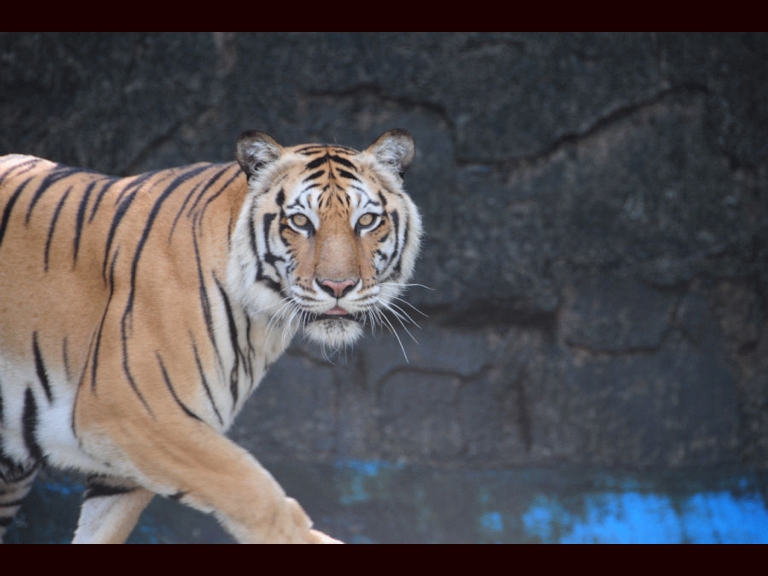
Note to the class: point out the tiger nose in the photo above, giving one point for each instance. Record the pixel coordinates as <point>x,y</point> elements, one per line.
<point>337,288</point>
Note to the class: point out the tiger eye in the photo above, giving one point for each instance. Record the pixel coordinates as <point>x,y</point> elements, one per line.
<point>299,220</point>
<point>366,219</point>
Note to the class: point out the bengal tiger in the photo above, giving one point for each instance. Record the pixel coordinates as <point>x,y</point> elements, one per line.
<point>137,315</point>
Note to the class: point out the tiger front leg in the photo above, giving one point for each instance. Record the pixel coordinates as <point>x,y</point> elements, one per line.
<point>191,462</point>
<point>212,474</point>
<point>111,507</point>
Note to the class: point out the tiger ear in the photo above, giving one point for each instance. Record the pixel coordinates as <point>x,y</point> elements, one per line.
<point>394,149</point>
<point>255,150</point>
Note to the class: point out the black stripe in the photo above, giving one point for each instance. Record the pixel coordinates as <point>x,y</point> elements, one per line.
<point>267,222</point>
<point>65,355</point>
<point>234,374</point>
<point>129,376</point>
<point>344,149</point>
<point>251,350</point>
<point>81,217</point>
<point>344,162</point>
<point>30,164</point>
<point>119,214</point>
<point>13,473</point>
<point>317,162</point>
<point>238,173</point>
<point>230,319</point>
<point>187,411</point>
<point>280,199</point>
<point>396,224</point>
<point>53,225</point>
<point>399,265</point>
<point>262,277</point>
<point>59,173</point>
<point>211,181</point>
<point>269,257</point>
<point>234,388</point>
<point>83,373</point>
<point>135,185</point>
<point>95,363</point>
<point>5,522</point>
<point>252,235</point>
<point>110,182</point>
<point>42,373</point>
<point>178,181</point>
<point>219,193</point>
<point>314,175</point>
<point>348,175</point>
<point>205,302</point>
<point>29,426</point>
<point>9,207</point>
<point>204,380</point>
<point>312,149</point>
<point>195,188</point>
<point>124,340</point>
<point>98,490</point>
<point>178,495</point>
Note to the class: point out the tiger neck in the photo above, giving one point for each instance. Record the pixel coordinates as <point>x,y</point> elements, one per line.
<point>253,335</point>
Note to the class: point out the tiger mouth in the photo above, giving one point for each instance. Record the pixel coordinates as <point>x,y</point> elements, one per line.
<point>334,317</point>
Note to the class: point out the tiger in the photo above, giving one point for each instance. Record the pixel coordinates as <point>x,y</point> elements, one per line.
<point>137,315</point>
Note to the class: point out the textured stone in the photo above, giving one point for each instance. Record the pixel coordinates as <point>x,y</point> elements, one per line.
<point>596,227</point>
<point>613,315</point>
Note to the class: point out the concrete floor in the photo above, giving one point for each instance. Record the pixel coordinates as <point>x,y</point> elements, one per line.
<point>378,502</point>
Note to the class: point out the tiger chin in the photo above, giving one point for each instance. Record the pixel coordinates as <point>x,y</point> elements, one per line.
<point>138,314</point>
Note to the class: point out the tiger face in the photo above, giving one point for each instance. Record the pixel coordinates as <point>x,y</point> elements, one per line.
<point>327,237</point>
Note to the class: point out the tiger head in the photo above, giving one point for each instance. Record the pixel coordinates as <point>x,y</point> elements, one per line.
<point>327,238</point>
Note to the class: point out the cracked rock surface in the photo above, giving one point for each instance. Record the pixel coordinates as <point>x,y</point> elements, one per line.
<point>596,215</point>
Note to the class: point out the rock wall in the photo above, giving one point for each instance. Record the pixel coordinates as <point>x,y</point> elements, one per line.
<point>596,214</point>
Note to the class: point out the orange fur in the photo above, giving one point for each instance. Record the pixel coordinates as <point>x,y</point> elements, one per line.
<point>137,314</point>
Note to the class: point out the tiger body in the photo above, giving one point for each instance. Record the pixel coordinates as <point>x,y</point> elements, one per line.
<point>138,314</point>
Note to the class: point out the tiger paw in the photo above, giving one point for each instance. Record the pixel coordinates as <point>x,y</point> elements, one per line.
<point>322,538</point>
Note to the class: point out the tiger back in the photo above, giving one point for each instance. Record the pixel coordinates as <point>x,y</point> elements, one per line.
<point>138,314</point>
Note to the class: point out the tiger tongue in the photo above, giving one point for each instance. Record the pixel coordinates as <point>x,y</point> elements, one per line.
<point>337,311</point>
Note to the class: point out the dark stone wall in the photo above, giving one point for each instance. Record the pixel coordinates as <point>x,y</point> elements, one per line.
<point>596,214</point>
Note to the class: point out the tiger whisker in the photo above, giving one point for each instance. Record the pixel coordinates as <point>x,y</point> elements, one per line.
<point>411,306</point>
<point>399,319</point>
<point>289,325</point>
<point>399,285</point>
<point>276,317</point>
<point>392,329</point>
<point>391,306</point>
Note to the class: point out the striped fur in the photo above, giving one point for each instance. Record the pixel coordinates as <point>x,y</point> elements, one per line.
<point>138,314</point>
